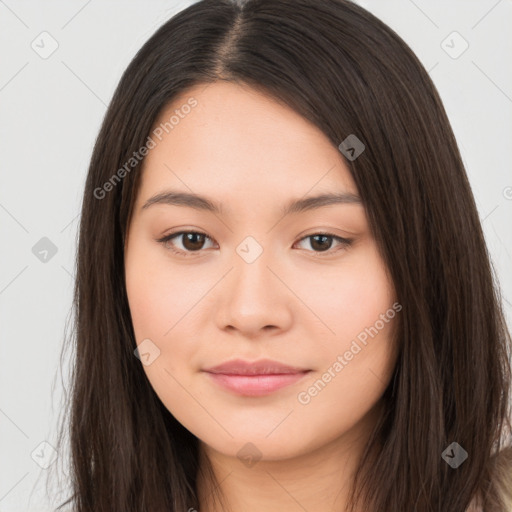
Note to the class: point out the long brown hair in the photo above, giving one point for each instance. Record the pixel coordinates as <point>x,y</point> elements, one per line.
<point>348,73</point>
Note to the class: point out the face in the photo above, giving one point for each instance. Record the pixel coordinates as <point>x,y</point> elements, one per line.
<point>250,280</point>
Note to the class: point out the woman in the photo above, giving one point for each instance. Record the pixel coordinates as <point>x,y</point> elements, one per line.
<point>284,298</point>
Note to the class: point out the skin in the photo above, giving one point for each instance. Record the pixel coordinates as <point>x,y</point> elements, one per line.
<point>295,303</point>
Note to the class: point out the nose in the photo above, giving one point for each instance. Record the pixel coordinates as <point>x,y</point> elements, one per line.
<point>253,298</point>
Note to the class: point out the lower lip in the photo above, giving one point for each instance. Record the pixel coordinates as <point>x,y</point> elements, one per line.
<point>256,385</point>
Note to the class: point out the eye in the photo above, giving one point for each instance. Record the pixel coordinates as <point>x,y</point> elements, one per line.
<point>192,242</point>
<point>322,242</point>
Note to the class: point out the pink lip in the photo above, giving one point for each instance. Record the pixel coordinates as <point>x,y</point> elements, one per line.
<point>255,379</point>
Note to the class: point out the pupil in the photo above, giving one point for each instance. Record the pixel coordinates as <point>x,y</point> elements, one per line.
<point>192,237</point>
<point>324,238</point>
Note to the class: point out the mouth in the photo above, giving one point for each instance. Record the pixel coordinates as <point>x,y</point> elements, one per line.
<point>255,379</point>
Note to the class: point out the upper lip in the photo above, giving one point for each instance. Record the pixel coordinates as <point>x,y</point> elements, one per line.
<point>260,367</point>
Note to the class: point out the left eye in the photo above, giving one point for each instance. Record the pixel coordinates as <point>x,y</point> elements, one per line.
<point>323,241</point>
<point>194,242</point>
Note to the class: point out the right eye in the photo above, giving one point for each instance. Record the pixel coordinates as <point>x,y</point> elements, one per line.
<point>193,242</point>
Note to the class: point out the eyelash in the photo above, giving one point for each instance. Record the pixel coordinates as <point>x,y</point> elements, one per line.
<point>344,243</point>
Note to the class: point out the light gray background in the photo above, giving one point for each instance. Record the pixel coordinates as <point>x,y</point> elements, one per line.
<point>51,110</point>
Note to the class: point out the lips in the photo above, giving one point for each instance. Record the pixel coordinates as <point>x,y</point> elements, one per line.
<point>261,367</point>
<point>259,378</point>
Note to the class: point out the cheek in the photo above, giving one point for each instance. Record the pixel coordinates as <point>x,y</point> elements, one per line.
<point>349,296</point>
<point>159,297</point>
<point>149,305</point>
<point>161,304</point>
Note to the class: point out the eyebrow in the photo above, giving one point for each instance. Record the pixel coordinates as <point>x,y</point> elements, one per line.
<point>199,202</point>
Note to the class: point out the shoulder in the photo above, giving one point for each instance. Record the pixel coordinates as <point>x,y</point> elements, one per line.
<point>502,479</point>
<point>474,507</point>
<point>499,498</point>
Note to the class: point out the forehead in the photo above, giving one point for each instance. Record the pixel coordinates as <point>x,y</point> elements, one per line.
<point>224,136</point>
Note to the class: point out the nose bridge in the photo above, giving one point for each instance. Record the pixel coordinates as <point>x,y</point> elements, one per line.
<point>253,298</point>
<point>251,262</point>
